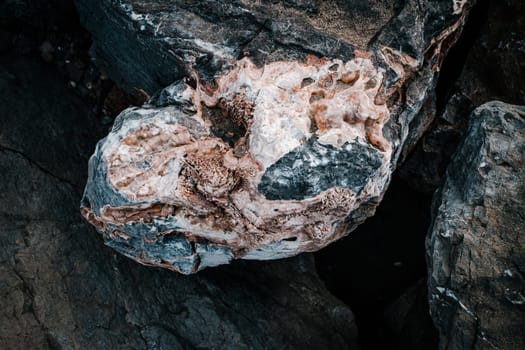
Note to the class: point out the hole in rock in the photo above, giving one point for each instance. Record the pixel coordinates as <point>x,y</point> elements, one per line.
<point>224,125</point>
<point>316,96</point>
<point>307,81</point>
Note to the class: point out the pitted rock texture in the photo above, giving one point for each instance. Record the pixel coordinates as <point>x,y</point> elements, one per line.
<point>476,246</point>
<point>164,189</point>
<point>263,157</point>
<point>60,288</point>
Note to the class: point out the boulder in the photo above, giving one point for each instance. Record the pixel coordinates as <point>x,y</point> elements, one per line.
<point>283,134</point>
<point>61,288</point>
<point>476,245</point>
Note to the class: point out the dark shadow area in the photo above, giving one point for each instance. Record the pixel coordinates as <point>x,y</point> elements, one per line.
<point>457,56</point>
<point>378,262</point>
<point>51,32</point>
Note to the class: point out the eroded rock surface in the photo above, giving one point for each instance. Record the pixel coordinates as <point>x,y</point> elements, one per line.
<point>476,246</point>
<point>60,288</point>
<point>267,156</point>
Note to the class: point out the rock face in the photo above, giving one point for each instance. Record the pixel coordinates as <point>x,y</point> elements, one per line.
<point>60,288</point>
<point>261,157</point>
<point>426,165</point>
<point>487,64</point>
<point>476,246</point>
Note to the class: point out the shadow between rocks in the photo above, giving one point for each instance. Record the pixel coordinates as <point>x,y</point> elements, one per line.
<point>377,263</point>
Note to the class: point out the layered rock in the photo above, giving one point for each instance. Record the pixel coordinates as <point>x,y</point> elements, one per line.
<point>263,157</point>
<point>476,246</point>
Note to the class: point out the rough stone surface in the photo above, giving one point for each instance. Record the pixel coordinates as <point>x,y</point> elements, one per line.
<point>262,157</point>
<point>60,288</point>
<point>488,63</point>
<point>495,65</point>
<point>476,246</point>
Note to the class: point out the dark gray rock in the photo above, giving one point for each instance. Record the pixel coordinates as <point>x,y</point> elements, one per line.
<point>61,288</point>
<point>495,66</point>
<point>303,172</point>
<point>476,246</point>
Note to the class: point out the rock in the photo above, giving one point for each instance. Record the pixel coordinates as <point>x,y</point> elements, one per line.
<point>426,165</point>
<point>496,63</point>
<point>261,157</point>
<point>408,322</point>
<point>60,288</point>
<point>486,64</point>
<point>476,246</point>
<point>148,45</point>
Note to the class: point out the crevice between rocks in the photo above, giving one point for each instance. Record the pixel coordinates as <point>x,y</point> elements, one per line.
<point>354,270</point>
<point>457,56</point>
<point>379,262</point>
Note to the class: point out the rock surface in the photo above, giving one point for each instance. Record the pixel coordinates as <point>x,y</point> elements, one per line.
<point>60,288</point>
<point>487,64</point>
<point>265,156</point>
<point>476,245</point>
<point>496,63</point>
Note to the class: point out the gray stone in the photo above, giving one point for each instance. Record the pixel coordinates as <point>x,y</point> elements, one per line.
<point>476,246</point>
<point>495,66</point>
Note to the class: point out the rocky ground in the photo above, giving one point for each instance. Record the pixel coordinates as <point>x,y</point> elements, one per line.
<point>62,288</point>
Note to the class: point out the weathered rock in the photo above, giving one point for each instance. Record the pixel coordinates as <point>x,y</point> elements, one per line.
<point>149,44</point>
<point>487,64</point>
<point>263,157</point>
<point>476,246</point>
<point>60,288</point>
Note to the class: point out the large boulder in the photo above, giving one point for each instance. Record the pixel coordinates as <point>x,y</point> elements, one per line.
<point>282,136</point>
<point>60,288</point>
<point>476,245</point>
